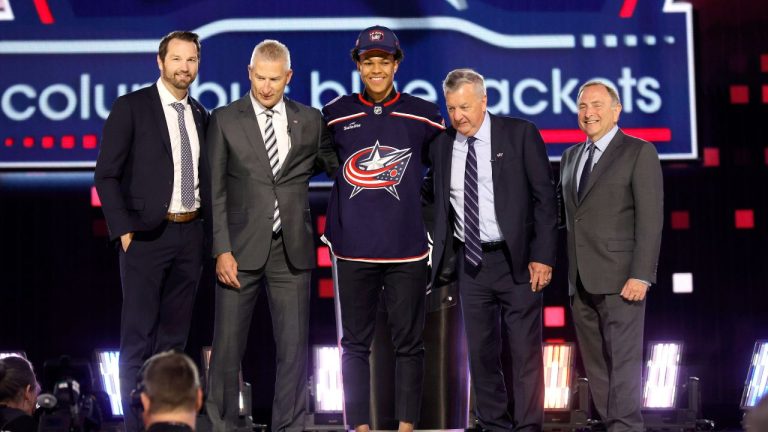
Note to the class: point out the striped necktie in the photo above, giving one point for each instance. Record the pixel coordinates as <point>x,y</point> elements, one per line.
<point>473,253</point>
<point>187,167</point>
<point>270,140</point>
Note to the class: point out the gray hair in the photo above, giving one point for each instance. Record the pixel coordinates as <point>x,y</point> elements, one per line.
<point>611,91</point>
<point>272,51</point>
<point>458,77</point>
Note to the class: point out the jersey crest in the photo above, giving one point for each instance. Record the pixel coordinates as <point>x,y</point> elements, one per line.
<point>376,167</point>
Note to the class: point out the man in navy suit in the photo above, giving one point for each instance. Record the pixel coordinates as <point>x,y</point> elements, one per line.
<point>496,218</point>
<point>152,179</point>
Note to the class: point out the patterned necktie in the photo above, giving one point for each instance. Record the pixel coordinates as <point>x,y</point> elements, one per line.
<point>472,249</point>
<point>187,167</point>
<point>584,180</point>
<point>270,140</point>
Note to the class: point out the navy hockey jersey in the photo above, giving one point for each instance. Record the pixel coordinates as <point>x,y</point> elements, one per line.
<point>374,212</point>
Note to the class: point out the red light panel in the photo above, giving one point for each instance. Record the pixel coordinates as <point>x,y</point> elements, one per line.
<point>554,316</point>
<point>680,220</point>
<point>95,200</point>
<point>739,94</point>
<point>323,257</point>
<point>325,288</point>
<point>744,219</point>
<point>320,224</point>
<point>68,142</point>
<point>89,141</point>
<point>711,157</point>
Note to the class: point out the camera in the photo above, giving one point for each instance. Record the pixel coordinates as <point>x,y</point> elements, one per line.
<point>70,405</point>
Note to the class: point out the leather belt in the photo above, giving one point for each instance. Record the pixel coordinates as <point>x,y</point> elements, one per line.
<point>493,246</point>
<point>182,217</point>
<point>485,246</point>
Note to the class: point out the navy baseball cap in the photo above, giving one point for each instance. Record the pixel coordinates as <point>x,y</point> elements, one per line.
<point>377,38</point>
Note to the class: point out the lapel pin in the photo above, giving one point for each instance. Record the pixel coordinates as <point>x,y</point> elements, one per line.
<point>499,155</point>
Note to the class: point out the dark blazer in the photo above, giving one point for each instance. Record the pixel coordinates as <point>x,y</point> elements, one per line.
<point>16,420</point>
<point>524,196</point>
<point>134,170</point>
<point>244,188</point>
<point>614,233</point>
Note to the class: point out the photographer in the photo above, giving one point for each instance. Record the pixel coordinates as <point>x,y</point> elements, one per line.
<point>170,393</point>
<point>18,394</point>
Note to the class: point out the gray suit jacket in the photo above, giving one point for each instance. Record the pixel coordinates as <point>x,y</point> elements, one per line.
<point>244,189</point>
<point>614,233</point>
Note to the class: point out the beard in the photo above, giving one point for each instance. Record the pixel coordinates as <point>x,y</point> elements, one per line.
<point>179,81</point>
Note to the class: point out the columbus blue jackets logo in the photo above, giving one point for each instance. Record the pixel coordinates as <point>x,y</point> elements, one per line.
<point>377,167</point>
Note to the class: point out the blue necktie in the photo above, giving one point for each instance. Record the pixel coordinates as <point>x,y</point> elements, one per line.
<point>473,252</point>
<point>584,180</point>
<point>187,167</point>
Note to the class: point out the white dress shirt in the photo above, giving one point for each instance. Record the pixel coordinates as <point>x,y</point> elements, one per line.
<point>600,147</point>
<point>489,226</point>
<point>172,120</point>
<point>279,124</point>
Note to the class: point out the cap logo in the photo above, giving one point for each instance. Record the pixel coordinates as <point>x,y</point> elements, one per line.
<point>376,35</point>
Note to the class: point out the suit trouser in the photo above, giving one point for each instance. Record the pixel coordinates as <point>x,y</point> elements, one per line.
<point>159,274</point>
<point>287,292</point>
<point>490,298</point>
<point>610,334</point>
<point>404,291</point>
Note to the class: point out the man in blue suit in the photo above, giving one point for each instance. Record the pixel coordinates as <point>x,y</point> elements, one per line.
<point>496,218</point>
<point>153,182</point>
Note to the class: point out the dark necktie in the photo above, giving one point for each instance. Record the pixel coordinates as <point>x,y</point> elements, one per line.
<point>187,167</point>
<point>270,140</point>
<point>584,180</point>
<point>473,253</point>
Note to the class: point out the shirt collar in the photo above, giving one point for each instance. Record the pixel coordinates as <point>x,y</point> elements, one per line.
<point>259,108</point>
<point>603,142</point>
<point>166,97</point>
<point>483,134</point>
<point>389,97</point>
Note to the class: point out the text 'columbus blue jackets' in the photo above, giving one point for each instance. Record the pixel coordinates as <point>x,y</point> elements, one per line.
<point>374,212</point>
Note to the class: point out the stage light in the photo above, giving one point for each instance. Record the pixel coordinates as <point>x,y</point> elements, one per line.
<point>109,378</point>
<point>4,354</point>
<point>328,392</point>
<point>661,373</point>
<point>558,375</point>
<point>756,385</point>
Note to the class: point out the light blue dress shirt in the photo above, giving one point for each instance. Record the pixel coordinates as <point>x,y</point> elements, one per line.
<point>600,147</point>
<point>489,227</point>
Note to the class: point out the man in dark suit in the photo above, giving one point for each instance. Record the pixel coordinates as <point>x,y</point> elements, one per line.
<point>496,215</point>
<point>152,179</point>
<point>614,215</point>
<point>263,150</point>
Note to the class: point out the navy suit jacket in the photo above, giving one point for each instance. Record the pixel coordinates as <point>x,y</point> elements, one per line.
<point>524,196</point>
<point>134,170</point>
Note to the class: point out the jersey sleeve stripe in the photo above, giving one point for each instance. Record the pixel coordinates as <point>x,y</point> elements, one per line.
<point>349,117</point>
<point>419,118</point>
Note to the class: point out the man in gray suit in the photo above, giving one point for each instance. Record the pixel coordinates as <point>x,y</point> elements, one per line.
<point>612,188</point>
<point>263,150</point>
